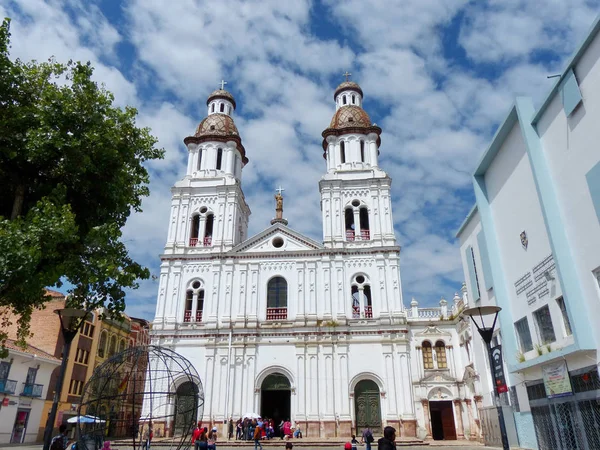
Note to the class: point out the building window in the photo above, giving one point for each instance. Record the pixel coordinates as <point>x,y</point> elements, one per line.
<point>427,355</point>
<point>208,230</point>
<point>343,152</point>
<point>362,305</point>
<point>353,98</point>
<point>349,219</point>
<point>543,323</point>
<point>76,387</point>
<point>102,344</point>
<point>222,107</point>
<point>522,329</point>
<point>362,151</point>
<point>229,110</point>
<point>122,345</point>
<point>4,370</point>
<point>212,108</point>
<point>200,158</point>
<point>219,158</point>
<point>112,347</point>
<point>277,299</point>
<point>440,354</point>
<point>565,316</point>
<point>344,99</point>
<point>364,224</point>
<point>195,230</point>
<point>475,271</point>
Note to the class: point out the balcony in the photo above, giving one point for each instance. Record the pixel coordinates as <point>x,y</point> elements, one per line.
<point>276,313</point>
<point>187,316</point>
<point>8,386</point>
<point>356,312</point>
<point>369,312</point>
<point>350,235</point>
<point>193,242</point>
<point>208,241</point>
<point>32,390</point>
<point>365,235</point>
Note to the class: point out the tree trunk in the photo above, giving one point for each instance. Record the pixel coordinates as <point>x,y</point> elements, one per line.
<point>18,203</point>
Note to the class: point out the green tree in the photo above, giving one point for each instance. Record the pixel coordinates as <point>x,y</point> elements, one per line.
<point>71,172</point>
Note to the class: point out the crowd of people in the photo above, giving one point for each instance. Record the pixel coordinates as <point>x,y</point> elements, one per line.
<point>247,429</point>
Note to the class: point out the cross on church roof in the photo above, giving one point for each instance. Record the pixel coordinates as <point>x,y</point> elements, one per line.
<point>223,83</point>
<point>347,75</point>
<point>279,190</point>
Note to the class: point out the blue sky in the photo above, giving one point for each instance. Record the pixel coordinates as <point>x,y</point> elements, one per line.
<point>438,76</point>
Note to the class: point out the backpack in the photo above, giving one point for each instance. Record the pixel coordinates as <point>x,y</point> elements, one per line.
<point>370,437</point>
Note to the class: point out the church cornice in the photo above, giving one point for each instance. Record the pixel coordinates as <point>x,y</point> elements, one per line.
<point>218,138</point>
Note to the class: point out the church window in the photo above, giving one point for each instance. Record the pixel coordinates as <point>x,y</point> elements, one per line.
<point>353,98</point>
<point>361,298</point>
<point>362,151</point>
<point>102,344</point>
<point>440,354</point>
<point>195,294</point>
<point>235,165</point>
<point>200,158</point>
<point>427,355</point>
<point>229,110</point>
<point>199,305</point>
<point>344,99</point>
<point>195,230</point>
<point>122,345</point>
<point>222,108</point>
<point>365,233</point>
<point>208,230</point>
<point>189,298</point>
<point>343,152</point>
<point>212,108</point>
<point>277,299</point>
<point>349,218</point>
<point>355,303</point>
<point>219,158</point>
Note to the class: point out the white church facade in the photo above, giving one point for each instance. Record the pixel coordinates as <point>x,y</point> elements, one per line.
<point>291,328</point>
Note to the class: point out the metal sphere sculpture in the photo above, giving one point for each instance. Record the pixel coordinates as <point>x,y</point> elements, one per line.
<point>141,393</point>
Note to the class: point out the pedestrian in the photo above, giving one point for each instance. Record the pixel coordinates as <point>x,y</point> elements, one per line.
<point>280,428</point>
<point>367,438</point>
<point>297,431</point>
<point>238,429</point>
<point>230,429</point>
<point>212,439</point>
<point>196,437</point>
<point>287,429</point>
<point>60,441</point>
<point>387,441</point>
<point>289,445</point>
<point>148,435</point>
<point>354,443</point>
<point>257,436</point>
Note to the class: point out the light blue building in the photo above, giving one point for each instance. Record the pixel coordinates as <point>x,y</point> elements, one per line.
<point>531,245</point>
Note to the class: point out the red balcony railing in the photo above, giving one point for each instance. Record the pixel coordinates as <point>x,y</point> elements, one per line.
<point>369,312</point>
<point>208,241</point>
<point>198,316</point>
<point>349,235</point>
<point>187,316</point>
<point>365,235</point>
<point>356,312</point>
<point>276,313</point>
<point>193,242</point>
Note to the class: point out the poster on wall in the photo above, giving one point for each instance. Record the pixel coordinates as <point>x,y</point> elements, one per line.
<point>499,379</point>
<point>556,379</point>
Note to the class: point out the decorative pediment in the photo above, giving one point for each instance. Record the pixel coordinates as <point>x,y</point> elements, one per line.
<point>277,238</point>
<point>438,377</point>
<point>432,330</point>
<point>470,374</point>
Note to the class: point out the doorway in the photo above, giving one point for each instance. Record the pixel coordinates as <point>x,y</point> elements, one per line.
<point>275,399</point>
<point>367,407</point>
<point>442,420</point>
<point>20,426</point>
<point>186,408</point>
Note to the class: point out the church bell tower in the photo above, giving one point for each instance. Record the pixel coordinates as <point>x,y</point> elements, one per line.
<point>355,191</point>
<point>208,210</point>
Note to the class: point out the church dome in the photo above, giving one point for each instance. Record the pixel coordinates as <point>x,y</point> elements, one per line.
<point>350,117</point>
<point>221,93</point>
<point>348,86</point>
<point>217,125</point>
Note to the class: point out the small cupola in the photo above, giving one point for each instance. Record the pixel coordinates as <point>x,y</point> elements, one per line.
<point>348,93</point>
<point>221,101</point>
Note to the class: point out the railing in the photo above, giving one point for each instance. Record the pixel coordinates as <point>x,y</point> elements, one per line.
<point>8,386</point>
<point>356,312</point>
<point>187,316</point>
<point>365,235</point>
<point>193,242</point>
<point>368,312</point>
<point>33,390</point>
<point>208,241</point>
<point>276,313</point>
<point>425,313</point>
<point>349,235</point>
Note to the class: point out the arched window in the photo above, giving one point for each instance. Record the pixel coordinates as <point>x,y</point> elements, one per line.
<point>277,299</point>
<point>200,305</point>
<point>365,234</point>
<point>353,98</point>
<point>349,219</point>
<point>440,354</point>
<point>362,151</point>
<point>122,345</point>
<point>344,99</point>
<point>222,107</point>
<point>195,230</point>
<point>343,152</point>
<point>229,110</point>
<point>102,344</point>
<point>200,151</point>
<point>189,295</point>
<point>355,303</point>
<point>112,348</point>
<point>219,158</point>
<point>427,355</point>
<point>361,298</point>
<point>212,108</point>
<point>208,230</point>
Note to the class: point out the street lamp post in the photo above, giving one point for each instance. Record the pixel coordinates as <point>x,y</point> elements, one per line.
<point>487,333</point>
<point>70,322</point>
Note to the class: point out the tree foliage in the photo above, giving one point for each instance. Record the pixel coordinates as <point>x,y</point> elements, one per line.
<point>71,172</point>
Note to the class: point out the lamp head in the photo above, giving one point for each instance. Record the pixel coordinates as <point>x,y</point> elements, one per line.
<point>71,318</point>
<point>486,329</point>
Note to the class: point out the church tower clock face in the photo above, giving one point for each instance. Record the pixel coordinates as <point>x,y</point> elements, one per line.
<point>282,325</point>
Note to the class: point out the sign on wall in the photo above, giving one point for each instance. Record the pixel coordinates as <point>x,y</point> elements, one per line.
<point>556,379</point>
<point>498,368</point>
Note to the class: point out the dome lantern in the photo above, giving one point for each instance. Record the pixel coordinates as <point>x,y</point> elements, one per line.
<point>221,101</point>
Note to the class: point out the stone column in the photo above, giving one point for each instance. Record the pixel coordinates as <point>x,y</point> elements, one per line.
<point>472,426</point>
<point>427,418</point>
<point>460,434</point>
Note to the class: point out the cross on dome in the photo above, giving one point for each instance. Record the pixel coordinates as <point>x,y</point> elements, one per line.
<point>223,83</point>
<point>347,75</point>
<point>279,190</point>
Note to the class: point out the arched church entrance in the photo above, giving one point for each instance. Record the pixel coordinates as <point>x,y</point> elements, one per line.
<point>275,398</point>
<point>442,420</point>
<point>367,406</point>
<point>186,408</point>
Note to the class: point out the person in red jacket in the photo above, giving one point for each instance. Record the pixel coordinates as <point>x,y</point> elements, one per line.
<point>196,437</point>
